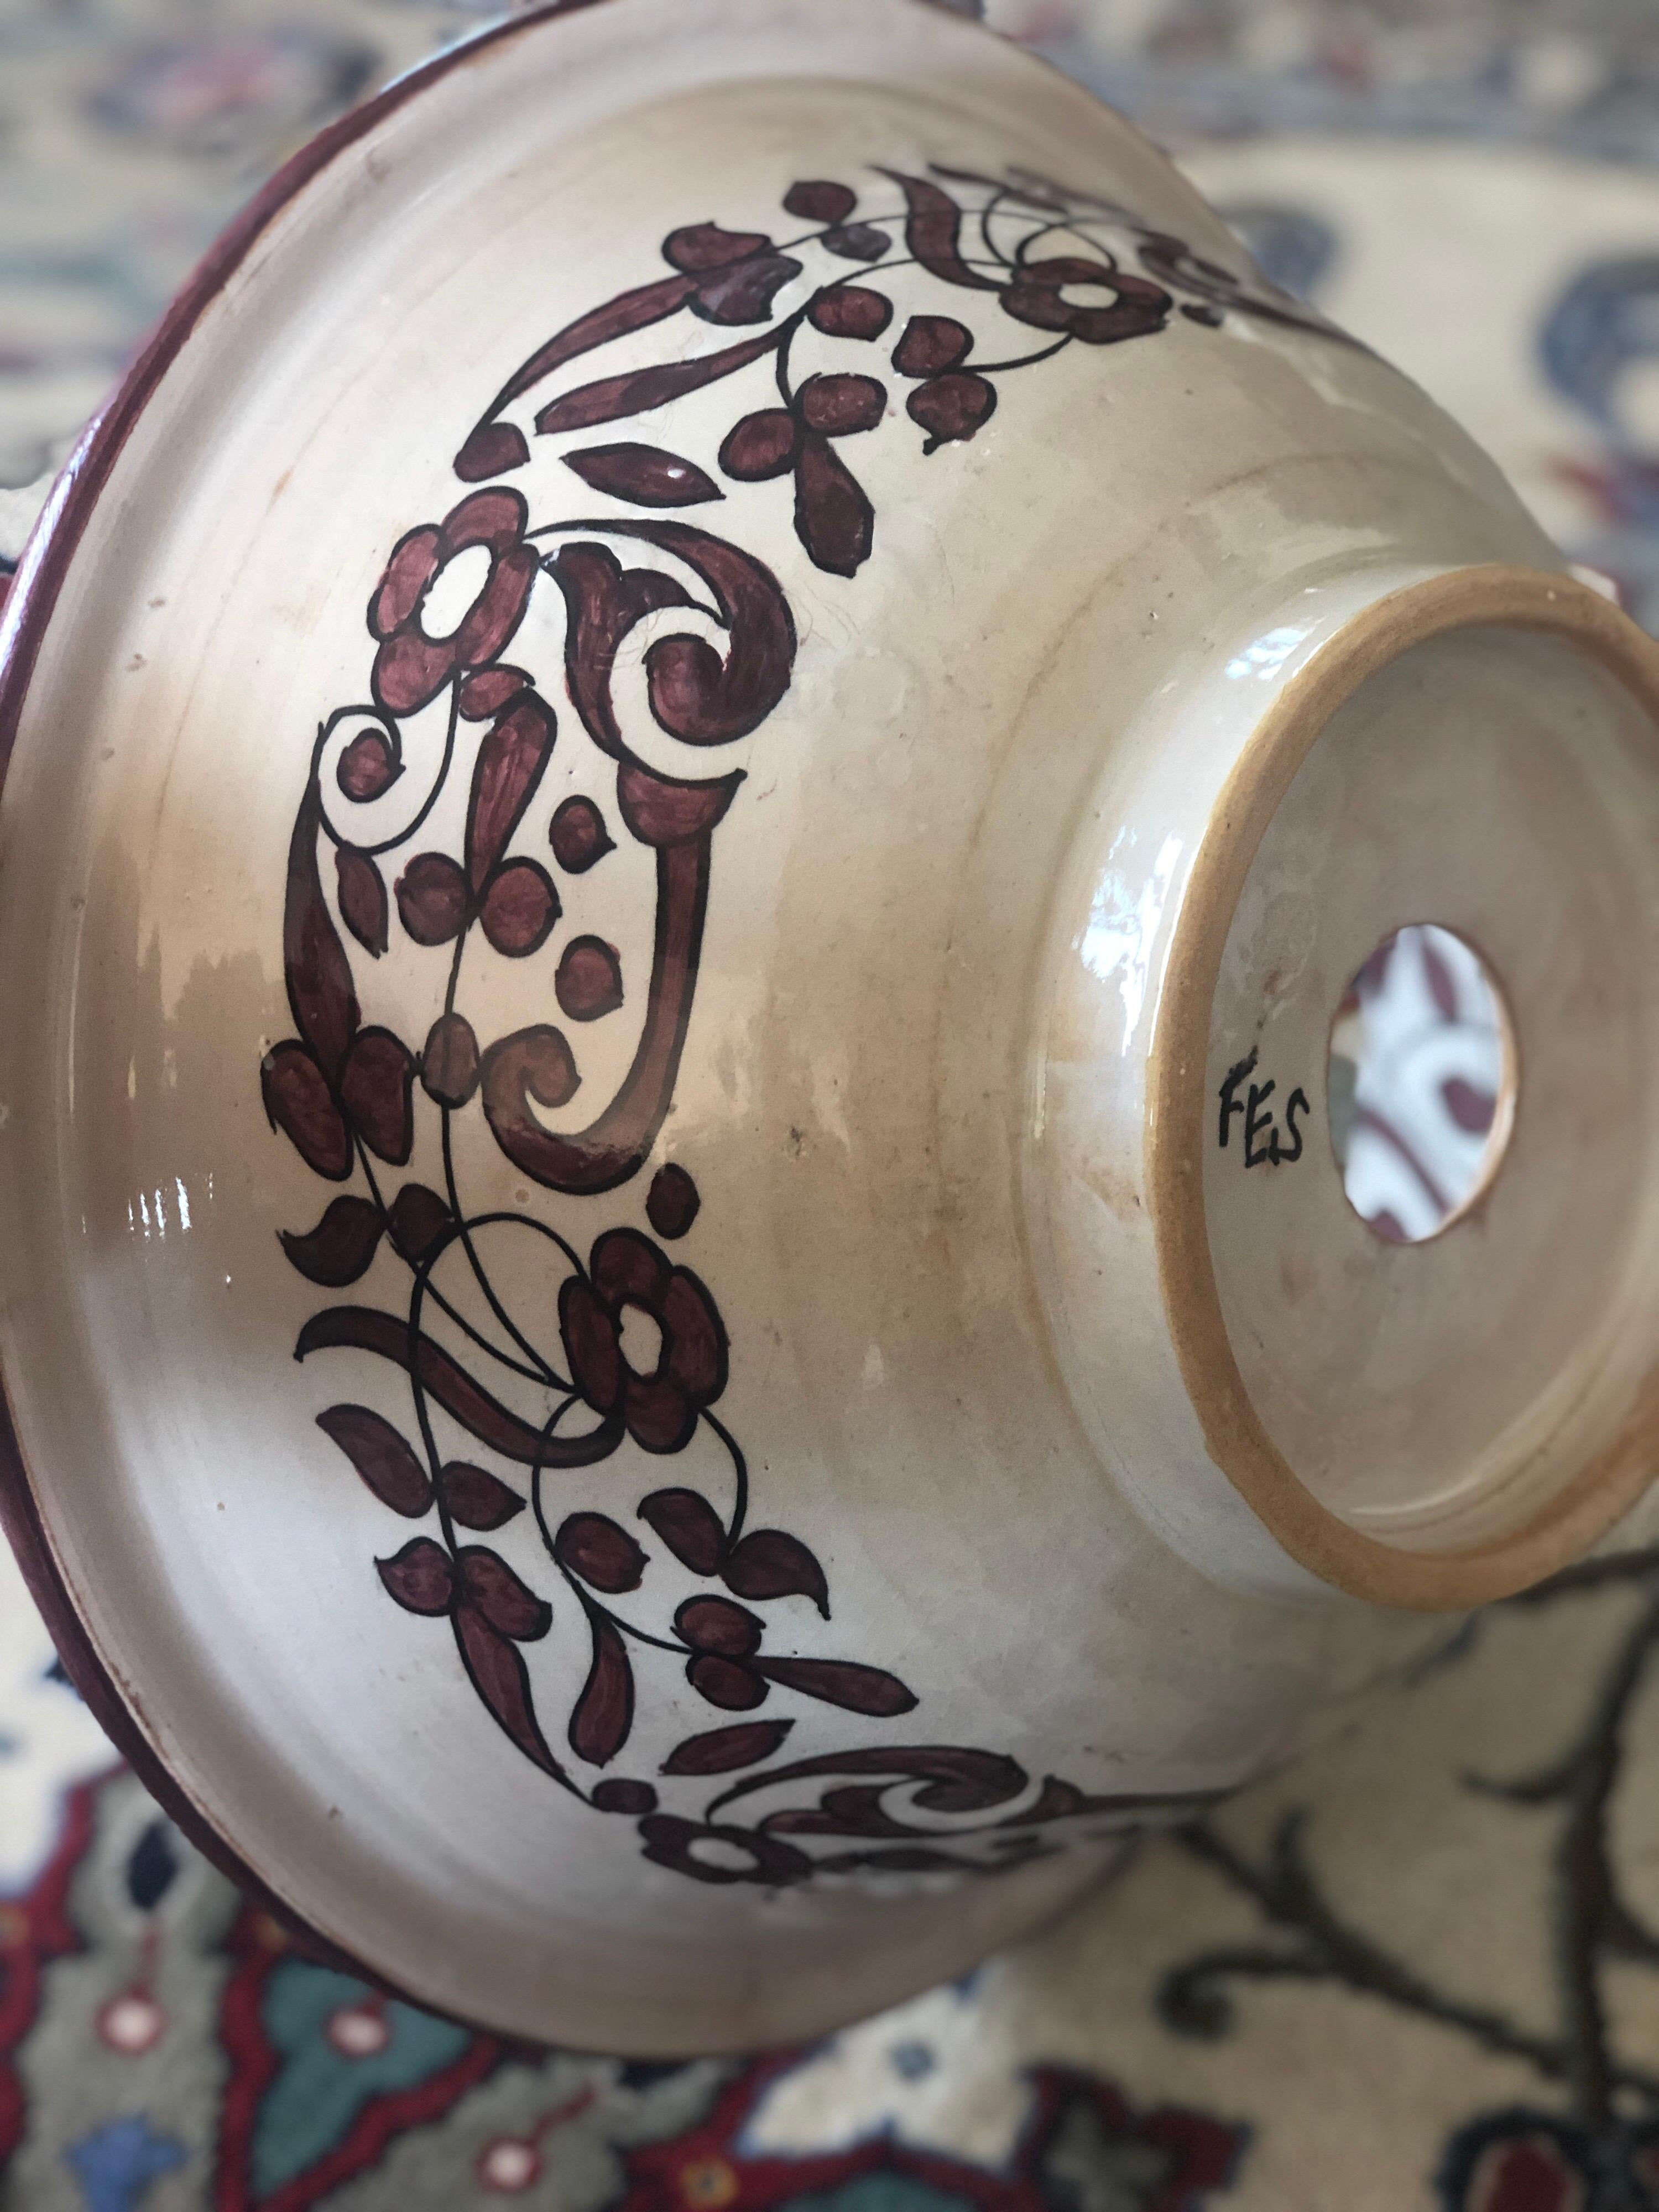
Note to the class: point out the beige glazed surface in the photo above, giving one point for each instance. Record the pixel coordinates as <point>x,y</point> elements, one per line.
<point>892,662</point>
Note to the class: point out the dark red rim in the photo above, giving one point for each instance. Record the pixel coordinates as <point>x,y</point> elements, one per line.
<point>28,611</point>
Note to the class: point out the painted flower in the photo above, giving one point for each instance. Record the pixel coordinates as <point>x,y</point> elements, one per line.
<point>721,1854</point>
<point>412,666</point>
<point>629,1274</point>
<point>1037,295</point>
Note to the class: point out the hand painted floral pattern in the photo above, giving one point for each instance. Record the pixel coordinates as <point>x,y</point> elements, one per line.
<point>643,1350</point>
<point>411,668</point>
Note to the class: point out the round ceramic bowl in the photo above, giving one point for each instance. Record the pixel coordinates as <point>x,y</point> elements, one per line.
<point>695,768</point>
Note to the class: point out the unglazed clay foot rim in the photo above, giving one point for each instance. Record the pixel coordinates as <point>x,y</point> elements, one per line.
<point>1520,599</point>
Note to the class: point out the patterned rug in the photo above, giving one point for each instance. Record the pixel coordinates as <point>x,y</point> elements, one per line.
<point>1419,1973</point>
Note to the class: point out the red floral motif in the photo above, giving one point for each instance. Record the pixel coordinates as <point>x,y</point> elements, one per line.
<point>1038,293</point>
<point>643,1348</point>
<point>734,277</point>
<point>661,1409</point>
<point>722,1855</point>
<point>411,668</point>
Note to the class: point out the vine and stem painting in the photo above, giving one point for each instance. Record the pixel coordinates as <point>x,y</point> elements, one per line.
<point>644,1355</point>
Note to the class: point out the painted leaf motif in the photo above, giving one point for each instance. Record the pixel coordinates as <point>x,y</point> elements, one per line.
<point>635,310</point>
<point>476,1499</point>
<point>603,1713</point>
<point>511,760</point>
<point>578,836</point>
<point>376,1092</point>
<point>743,293</point>
<point>714,1624</point>
<point>951,408</point>
<point>368,767</point>
<point>638,390</point>
<point>365,1330</point>
<point>815,199</point>
<point>299,1103</point>
<point>857,241</point>
<point>520,909</point>
<point>605,1556</point>
<point>722,1751</point>
<point>761,445</point>
<point>647,475</point>
<point>492,450</point>
<point>502,1680</point>
<point>363,898</point>
<point>508,1604</point>
<point>730,1684</point>
<point>419,1220</point>
<point>700,246</point>
<point>318,975</point>
<point>633,1798</point>
<point>834,518</point>
<point>689,1525</point>
<point>419,1577</point>
<point>850,311</point>
<point>840,1682</point>
<point>671,1206</point>
<point>840,405</point>
<point>588,983</point>
<point>449,1066</point>
<point>931,344</point>
<point>384,1460</point>
<point>340,1248</point>
<point>769,1564</point>
<point>432,898</point>
<point>934,233</point>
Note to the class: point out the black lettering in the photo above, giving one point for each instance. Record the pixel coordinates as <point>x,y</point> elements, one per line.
<point>1297,1103</point>
<point>1230,1105</point>
<point>1255,1122</point>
